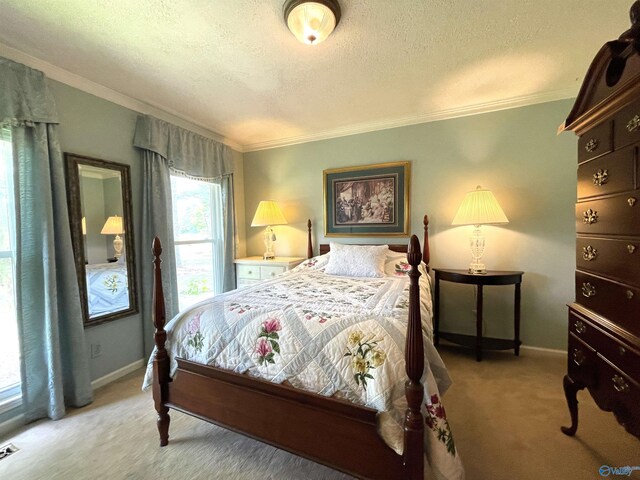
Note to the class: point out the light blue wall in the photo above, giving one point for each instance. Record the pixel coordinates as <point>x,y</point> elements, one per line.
<point>97,128</point>
<point>515,153</point>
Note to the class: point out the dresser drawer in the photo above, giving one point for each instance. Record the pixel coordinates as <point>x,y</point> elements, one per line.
<point>617,259</point>
<point>270,272</point>
<point>595,142</point>
<point>248,271</point>
<point>243,282</point>
<point>617,302</point>
<point>612,173</point>
<point>619,215</point>
<point>598,338</point>
<point>627,126</point>
<point>618,392</point>
<point>581,362</point>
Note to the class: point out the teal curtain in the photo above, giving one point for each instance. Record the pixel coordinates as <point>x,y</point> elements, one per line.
<point>168,149</point>
<point>55,369</point>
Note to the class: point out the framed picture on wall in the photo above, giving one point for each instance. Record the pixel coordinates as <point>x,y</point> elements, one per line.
<point>368,200</point>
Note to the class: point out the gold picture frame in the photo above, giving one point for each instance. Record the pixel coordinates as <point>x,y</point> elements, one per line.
<point>367,200</point>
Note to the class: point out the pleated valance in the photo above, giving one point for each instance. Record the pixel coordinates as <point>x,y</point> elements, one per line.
<point>186,152</point>
<point>24,96</point>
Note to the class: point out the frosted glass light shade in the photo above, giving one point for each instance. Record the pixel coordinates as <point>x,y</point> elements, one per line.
<point>113,226</point>
<point>268,213</point>
<point>479,207</point>
<point>312,21</point>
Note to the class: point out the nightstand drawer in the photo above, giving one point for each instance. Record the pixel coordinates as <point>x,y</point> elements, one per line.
<point>248,271</point>
<point>243,282</point>
<point>270,272</point>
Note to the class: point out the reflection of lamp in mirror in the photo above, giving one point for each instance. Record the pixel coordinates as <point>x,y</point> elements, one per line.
<point>268,213</point>
<point>479,207</point>
<point>114,226</point>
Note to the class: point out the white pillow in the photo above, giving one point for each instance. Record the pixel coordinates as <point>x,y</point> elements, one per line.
<point>396,264</point>
<point>356,260</point>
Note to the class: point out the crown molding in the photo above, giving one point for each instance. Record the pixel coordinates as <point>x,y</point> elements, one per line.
<point>84,84</point>
<point>81,83</point>
<point>446,114</point>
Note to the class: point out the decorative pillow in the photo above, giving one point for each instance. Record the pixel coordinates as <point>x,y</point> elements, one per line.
<point>357,260</point>
<point>314,263</point>
<point>396,264</point>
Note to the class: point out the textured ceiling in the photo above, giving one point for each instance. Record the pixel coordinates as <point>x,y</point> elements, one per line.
<point>233,66</point>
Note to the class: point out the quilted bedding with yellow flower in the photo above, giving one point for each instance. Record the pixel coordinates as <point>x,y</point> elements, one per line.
<point>335,336</point>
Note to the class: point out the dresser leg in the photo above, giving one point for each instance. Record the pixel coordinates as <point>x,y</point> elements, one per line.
<point>571,393</point>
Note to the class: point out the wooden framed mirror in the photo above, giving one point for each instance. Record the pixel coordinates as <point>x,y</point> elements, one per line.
<point>99,201</point>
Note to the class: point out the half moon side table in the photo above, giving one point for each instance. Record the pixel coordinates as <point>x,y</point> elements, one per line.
<point>479,280</point>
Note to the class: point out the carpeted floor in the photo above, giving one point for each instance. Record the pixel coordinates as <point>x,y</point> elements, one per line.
<point>505,413</point>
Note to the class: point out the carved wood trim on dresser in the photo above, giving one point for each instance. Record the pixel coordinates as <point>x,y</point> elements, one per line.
<point>604,319</point>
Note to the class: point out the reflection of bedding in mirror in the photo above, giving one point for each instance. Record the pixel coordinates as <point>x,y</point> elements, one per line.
<point>101,203</point>
<point>107,290</point>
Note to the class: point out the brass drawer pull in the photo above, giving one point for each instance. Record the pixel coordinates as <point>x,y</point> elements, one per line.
<point>580,326</point>
<point>619,384</point>
<point>588,290</point>
<point>589,253</point>
<point>600,178</point>
<point>591,145</point>
<point>629,294</point>
<point>590,216</point>
<point>631,248</point>
<point>634,124</point>
<point>579,357</point>
<point>631,201</point>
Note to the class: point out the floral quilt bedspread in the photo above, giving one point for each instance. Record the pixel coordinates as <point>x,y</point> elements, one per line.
<point>335,336</point>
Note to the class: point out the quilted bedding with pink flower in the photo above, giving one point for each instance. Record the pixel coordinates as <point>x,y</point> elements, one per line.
<point>336,336</point>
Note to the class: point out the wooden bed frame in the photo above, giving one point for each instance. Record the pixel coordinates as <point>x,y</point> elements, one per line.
<point>333,432</point>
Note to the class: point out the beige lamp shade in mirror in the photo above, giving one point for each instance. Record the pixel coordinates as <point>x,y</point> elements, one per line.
<point>479,207</point>
<point>267,214</point>
<point>114,226</point>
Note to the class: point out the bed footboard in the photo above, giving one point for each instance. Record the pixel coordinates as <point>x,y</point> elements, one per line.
<point>338,434</point>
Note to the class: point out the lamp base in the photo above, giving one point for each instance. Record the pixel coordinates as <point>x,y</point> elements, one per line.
<point>477,269</point>
<point>268,256</point>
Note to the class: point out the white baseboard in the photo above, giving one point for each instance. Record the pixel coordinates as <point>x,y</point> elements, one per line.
<point>11,425</point>
<point>544,350</point>
<point>121,372</point>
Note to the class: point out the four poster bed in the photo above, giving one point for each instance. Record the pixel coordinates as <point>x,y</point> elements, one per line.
<point>218,383</point>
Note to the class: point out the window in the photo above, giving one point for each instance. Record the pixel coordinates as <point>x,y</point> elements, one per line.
<point>197,228</point>
<point>9,343</point>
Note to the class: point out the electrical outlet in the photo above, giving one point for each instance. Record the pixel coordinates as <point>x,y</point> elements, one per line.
<point>96,350</point>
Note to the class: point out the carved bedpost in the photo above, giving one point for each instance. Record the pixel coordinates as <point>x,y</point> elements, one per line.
<point>161,360</point>
<point>414,358</point>
<point>309,242</point>
<point>426,256</point>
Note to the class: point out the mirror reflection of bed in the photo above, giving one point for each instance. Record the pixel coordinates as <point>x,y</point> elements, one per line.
<point>99,201</point>
<point>103,228</point>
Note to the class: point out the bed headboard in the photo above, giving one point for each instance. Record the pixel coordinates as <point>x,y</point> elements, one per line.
<point>401,247</point>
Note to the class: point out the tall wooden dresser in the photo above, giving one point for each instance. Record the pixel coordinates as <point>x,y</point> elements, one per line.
<point>604,320</point>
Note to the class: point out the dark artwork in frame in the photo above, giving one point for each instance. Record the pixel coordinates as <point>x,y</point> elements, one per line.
<point>369,200</point>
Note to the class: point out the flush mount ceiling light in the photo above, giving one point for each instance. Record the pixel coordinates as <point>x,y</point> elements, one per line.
<point>311,21</point>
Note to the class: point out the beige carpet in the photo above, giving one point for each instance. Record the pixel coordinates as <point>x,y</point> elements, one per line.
<point>505,413</point>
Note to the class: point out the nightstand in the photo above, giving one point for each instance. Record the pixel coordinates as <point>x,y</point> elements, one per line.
<point>490,278</point>
<point>250,270</point>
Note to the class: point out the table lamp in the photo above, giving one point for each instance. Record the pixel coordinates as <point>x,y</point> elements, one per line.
<point>479,207</point>
<point>268,213</point>
<point>114,226</point>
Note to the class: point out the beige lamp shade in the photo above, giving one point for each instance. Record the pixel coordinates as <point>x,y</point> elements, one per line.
<point>312,21</point>
<point>479,207</point>
<point>268,213</point>
<point>113,226</point>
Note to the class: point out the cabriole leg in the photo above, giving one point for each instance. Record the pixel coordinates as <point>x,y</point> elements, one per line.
<point>571,393</point>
